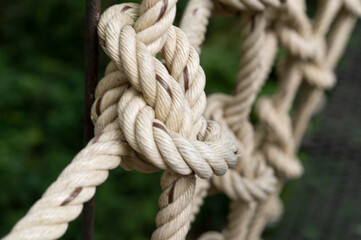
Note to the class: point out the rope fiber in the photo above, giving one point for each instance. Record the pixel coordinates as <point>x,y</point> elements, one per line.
<point>151,112</point>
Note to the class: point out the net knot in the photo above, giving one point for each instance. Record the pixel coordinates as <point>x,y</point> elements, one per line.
<point>160,112</point>
<point>278,142</point>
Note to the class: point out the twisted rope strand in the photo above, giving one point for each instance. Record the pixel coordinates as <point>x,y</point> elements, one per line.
<point>157,107</point>
<point>150,114</point>
<point>178,101</point>
<point>245,189</point>
<point>318,79</point>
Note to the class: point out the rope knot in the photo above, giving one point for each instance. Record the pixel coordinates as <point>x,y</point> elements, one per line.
<point>319,76</point>
<point>160,113</point>
<point>278,144</point>
<point>255,181</point>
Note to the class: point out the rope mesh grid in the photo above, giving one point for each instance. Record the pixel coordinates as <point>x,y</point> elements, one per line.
<point>332,164</point>
<point>152,114</point>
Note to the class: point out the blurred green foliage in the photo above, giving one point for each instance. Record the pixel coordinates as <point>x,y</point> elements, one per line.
<point>41,72</point>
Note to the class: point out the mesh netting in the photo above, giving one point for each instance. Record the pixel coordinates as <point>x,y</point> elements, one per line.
<point>325,202</point>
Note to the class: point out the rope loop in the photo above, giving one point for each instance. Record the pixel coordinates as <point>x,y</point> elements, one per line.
<point>161,117</point>
<point>150,112</point>
<point>278,141</point>
<point>256,181</point>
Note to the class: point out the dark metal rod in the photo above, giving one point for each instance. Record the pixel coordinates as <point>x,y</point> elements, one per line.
<point>91,79</point>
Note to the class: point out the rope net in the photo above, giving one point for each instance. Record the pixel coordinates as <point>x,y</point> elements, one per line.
<point>151,112</point>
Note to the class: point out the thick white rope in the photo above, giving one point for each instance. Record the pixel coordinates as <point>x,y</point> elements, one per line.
<point>148,114</point>
<point>154,123</point>
<point>314,69</point>
<point>275,137</point>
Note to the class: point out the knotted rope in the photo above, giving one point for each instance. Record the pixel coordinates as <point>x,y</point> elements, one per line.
<point>317,73</point>
<point>150,114</point>
<point>257,180</point>
<point>146,115</point>
<point>276,137</point>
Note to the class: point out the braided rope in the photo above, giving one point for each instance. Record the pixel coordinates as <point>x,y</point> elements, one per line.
<point>153,120</point>
<point>250,79</point>
<point>150,114</point>
<point>277,135</point>
<point>316,72</point>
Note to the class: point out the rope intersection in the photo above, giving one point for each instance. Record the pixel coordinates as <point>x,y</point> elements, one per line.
<point>151,112</point>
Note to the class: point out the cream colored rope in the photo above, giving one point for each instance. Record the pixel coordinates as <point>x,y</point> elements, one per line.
<point>310,65</point>
<point>146,116</point>
<point>254,67</point>
<point>151,114</point>
<point>277,138</point>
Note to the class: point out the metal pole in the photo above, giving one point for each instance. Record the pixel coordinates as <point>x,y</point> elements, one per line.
<point>91,79</point>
